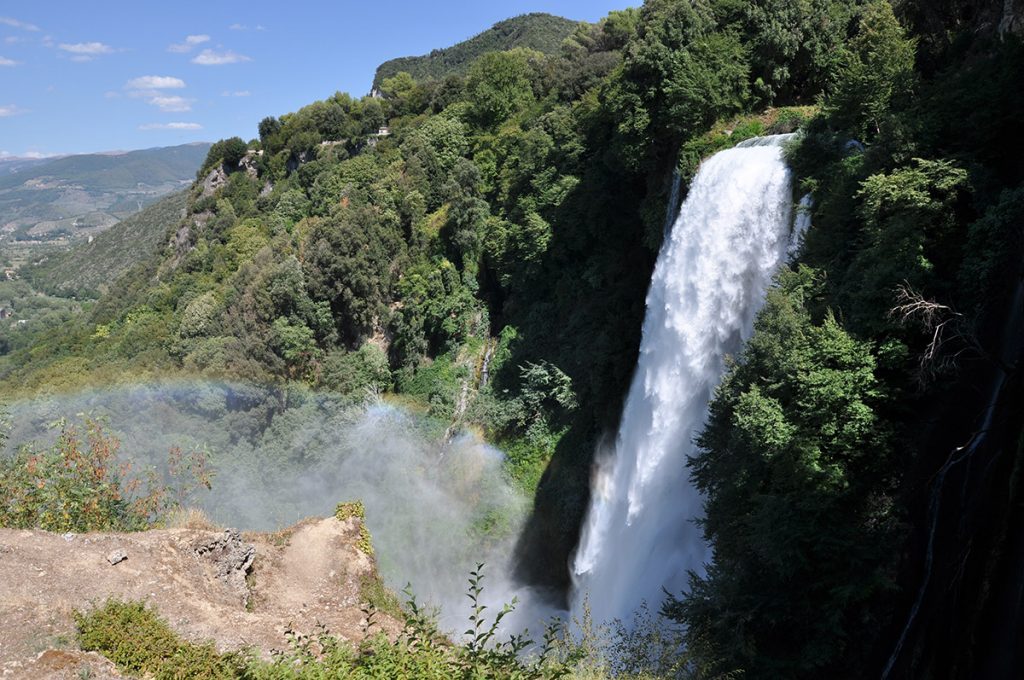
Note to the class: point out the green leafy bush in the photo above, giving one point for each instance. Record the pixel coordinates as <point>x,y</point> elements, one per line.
<point>80,484</point>
<point>793,443</point>
<point>356,510</point>
<point>137,640</point>
<point>134,637</point>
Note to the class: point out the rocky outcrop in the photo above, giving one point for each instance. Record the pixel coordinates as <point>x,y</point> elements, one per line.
<point>248,164</point>
<point>230,559</point>
<point>1012,21</point>
<point>237,590</point>
<point>214,180</point>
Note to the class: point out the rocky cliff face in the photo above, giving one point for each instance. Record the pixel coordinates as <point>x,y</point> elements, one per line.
<point>1012,20</point>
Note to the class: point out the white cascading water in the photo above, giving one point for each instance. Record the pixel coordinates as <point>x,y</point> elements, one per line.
<point>732,232</point>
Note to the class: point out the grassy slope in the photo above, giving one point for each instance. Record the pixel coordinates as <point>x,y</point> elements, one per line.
<point>541,32</point>
<point>88,268</point>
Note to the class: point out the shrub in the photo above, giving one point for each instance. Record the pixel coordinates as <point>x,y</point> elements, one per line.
<point>137,640</point>
<point>78,485</point>
<point>355,509</point>
<point>378,597</point>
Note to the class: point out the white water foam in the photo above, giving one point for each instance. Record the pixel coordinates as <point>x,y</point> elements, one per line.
<point>733,231</point>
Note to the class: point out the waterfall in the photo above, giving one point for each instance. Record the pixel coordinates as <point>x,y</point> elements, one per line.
<point>801,223</point>
<point>710,280</point>
<point>673,202</point>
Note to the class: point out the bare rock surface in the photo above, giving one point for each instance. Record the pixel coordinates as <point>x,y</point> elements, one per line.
<point>238,590</point>
<point>214,180</point>
<point>230,559</point>
<point>116,557</point>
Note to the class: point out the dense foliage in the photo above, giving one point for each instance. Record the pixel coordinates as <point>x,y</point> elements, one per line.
<point>541,32</point>
<point>820,442</point>
<point>479,238</point>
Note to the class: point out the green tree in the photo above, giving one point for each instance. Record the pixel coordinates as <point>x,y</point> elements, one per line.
<point>268,127</point>
<point>678,76</point>
<point>794,44</point>
<point>226,153</point>
<point>403,94</point>
<point>294,342</point>
<point>878,68</point>
<point>793,463</point>
<point>349,264</point>
<point>500,84</point>
<point>463,234</point>
<point>359,372</point>
<point>908,218</point>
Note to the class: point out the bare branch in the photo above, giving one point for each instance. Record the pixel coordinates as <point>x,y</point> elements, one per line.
<point>912,305</point>
<point>941,320</point>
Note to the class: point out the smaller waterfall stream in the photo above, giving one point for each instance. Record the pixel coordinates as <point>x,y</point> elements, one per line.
<point>710,279</point>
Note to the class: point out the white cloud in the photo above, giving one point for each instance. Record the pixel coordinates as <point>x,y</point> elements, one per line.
<point>7,110</point>
<point>85,51</point>
<point>36,155</point>
<point>152,89</point>
<point>171,126</point>
<point>4,61</point>
<point>245,27</point>
<point>86,48</point>
<point>155,83</point>
<point>190,42</point>
<point>171,104</point>
<point>235,93</point>
<point>211,58</point>
<point>14,23</point>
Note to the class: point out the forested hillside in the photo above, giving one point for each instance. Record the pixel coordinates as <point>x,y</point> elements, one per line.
<point>88,269</point>
<point>486,261</point>
<point>541,32</point>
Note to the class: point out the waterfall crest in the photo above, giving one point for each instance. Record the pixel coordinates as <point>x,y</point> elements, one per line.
<point>732,232</point>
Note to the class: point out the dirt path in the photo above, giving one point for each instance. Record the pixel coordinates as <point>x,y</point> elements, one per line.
<point>236,590</point>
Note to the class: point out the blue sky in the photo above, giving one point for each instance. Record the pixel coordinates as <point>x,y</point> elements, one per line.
<point>81,76</point>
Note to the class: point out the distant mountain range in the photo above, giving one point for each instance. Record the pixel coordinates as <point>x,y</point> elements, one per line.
<point>11,164</point>
<point>538,31</point>
<point>62,199</point>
